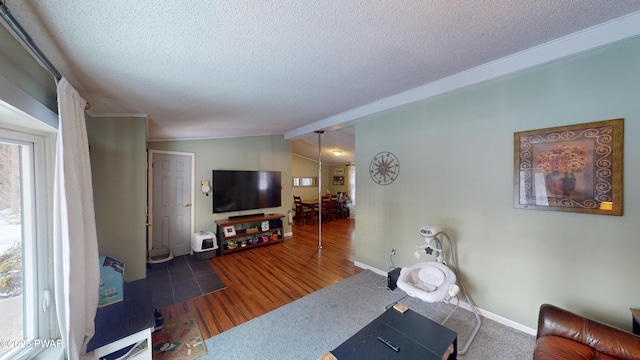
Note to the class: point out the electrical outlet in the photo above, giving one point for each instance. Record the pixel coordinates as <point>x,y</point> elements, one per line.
<point>393,252</point>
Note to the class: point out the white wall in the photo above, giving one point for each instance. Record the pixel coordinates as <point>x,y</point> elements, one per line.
<point>456,156</point>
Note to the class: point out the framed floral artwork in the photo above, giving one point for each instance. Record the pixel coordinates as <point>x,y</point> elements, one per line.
<point>574,168</point>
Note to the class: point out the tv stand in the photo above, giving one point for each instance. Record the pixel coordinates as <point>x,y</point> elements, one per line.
<point>246,232</point>
<point>245,216</point>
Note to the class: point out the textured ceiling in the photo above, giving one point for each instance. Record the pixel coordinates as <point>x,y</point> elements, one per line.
<point>212,69</point>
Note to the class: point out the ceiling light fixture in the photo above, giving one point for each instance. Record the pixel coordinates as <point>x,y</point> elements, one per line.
<point>337,152</point>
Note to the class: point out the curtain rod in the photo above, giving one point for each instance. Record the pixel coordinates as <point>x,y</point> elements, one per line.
<point>15,26</point>
<point>18,30</point>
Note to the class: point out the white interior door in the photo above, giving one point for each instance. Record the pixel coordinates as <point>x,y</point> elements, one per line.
<point>171,201</point>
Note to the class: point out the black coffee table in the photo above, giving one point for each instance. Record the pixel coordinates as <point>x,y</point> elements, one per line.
<point>399,335</point>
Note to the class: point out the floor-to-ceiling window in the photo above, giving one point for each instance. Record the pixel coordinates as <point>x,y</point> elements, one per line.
<point>11,269</point>
<point>24,248</point>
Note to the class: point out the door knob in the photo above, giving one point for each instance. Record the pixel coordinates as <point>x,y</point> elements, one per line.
<point>147,224</point>
<point>187,204</point>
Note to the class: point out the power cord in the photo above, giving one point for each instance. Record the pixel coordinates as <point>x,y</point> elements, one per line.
<point>392,253</point>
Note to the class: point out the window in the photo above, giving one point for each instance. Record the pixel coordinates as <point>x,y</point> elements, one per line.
<point>305,181</point>
<point>24,247</point>
<point>11,273</point>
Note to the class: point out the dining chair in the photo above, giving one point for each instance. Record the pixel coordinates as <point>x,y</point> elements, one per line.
<point>303,212</point>
<point>325,211</point>
<point>334,207</point>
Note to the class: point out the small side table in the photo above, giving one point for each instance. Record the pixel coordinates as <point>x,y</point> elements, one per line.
<point>410,336</point>
<point>125,323</point>
<point>635,315</point>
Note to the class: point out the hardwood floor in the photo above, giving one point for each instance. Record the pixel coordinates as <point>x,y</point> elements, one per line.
<point>265,278</point>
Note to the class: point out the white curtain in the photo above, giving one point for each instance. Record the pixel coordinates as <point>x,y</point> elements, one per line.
<point>76,265</point>
<point>352,183</point>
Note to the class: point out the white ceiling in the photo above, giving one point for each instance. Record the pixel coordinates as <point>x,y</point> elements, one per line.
<point>214,69</point>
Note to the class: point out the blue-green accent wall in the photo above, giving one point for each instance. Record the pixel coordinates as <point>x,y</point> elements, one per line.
<point>456,155</point>
<point>118,170</point>
<point>245,153</point>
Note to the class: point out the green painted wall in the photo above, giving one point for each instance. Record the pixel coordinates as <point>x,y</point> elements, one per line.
<point>456,153</point>
<point>118,167</point>
<point>303,167</point>
<point>335,188</point>
<point>17,66</point>
<point>246,153</point>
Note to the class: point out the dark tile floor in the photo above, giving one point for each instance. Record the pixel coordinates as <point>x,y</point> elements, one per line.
<point>185,278</point>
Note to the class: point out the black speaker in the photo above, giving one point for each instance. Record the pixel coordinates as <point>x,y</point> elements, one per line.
<point>392,278</point>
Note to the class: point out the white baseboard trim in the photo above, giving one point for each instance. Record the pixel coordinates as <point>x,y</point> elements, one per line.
<point>463,304</point>
<point>367,267</point>
<point>500,319</point>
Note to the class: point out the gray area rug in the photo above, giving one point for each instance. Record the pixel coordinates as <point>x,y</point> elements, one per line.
<point>319,322</point>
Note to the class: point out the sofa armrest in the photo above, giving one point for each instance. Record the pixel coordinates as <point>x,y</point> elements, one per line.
<point>554,321</point>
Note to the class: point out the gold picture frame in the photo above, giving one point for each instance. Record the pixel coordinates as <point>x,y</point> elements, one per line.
<point>574,168</point>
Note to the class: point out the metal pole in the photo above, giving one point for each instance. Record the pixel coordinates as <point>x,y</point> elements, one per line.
<point>15,26</point>
<point>319,132</point>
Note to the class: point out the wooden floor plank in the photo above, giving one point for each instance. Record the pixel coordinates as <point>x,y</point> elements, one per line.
<point>262,279</point>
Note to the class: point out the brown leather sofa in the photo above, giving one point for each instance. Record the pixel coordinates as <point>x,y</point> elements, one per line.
<point>567,336</point>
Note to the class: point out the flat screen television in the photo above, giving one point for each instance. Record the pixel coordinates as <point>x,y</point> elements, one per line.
<point>237,190</point>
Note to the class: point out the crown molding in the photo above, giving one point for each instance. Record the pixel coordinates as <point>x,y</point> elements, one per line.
<point>607,33</point>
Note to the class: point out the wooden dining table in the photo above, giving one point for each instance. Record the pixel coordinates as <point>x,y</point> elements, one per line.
<point>311,204</point>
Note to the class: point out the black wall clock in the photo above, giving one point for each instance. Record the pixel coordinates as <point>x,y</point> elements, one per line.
<point>384,168</point>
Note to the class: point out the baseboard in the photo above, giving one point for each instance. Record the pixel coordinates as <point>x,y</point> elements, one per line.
<point>463,304</point>
<point>500,319</point>
<point>367,267</point>
<point>288,234</point>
